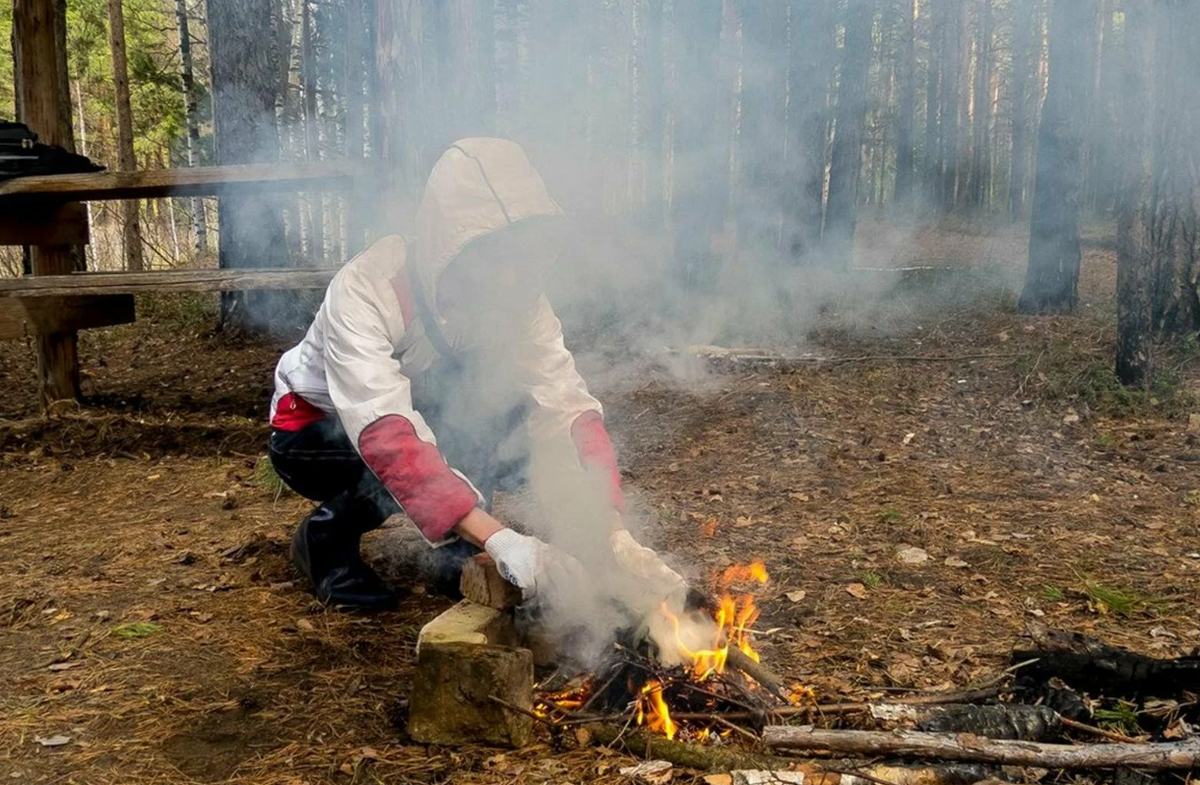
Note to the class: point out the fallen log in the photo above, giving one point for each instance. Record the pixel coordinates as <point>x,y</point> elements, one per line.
<point>966,747</point>
<point>1089,664</point>
<point>998,721</point>
<point>808,774</point>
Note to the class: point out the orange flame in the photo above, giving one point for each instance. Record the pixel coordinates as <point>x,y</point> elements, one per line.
<point>652,710</point>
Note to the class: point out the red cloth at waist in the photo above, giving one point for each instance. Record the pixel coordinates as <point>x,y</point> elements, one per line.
<point>294,413</point>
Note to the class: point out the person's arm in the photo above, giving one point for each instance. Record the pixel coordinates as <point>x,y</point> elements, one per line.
<point>563,405</point>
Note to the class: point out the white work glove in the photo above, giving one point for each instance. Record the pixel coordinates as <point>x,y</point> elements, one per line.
<point>539,570</point>
<point>655,581</point>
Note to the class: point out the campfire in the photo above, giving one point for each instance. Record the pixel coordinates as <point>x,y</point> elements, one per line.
<point>684,669</point>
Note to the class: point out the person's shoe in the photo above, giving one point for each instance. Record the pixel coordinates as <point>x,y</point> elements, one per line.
<point>330,560</point>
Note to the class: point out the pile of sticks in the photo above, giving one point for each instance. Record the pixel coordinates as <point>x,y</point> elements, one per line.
<point>1030,716</point>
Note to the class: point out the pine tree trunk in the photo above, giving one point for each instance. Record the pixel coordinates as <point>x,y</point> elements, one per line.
<point>358,209</point>
<point>1175,236</point>
<point>1134,262</point>
<point>653,113</point>
<point>761,145</point>
<point>131,232</point>
<point>931,159</point>
<point>469,81</point>
<point>907,99</point>
<point>314,207</point>
<point>1024,20</point>
<point>403,111</point>
<point>953,74</point>
<point>846,164</point>
<point>982,110</point>
<point>243,83</point>
<point>191,112</point>
<point>809,74</point>
<point>701,156</point>
<point>1052,278</point>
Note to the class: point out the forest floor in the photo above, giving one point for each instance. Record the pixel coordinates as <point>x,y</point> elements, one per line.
<point>150,615</point>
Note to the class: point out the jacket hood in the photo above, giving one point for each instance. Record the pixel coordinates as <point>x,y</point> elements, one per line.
<point>478,186</point>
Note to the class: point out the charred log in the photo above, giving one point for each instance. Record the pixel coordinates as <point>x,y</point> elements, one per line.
<point>1001,721</point>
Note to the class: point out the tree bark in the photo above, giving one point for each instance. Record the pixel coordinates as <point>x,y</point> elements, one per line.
<point>981,107</point>
<point>44,104</point>
<point>358,209</point>
<point>243,84</point>
<point>1134,263</point>
<point>403,111</point>
<point>965,747</point>
<point>846,164</point>
<point>314,204</point>
<point>191,112</point>
<point>701,154</point>
<point>1052,277</point>
<point>931,158</point>
<point>762,143</point>
<point>130,231</point>
<point>809,74</point>
<point>1024,19</point>
<point>907,102</point>
<point>953,74</point>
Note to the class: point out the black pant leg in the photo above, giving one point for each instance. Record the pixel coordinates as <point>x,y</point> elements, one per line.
<point>321,464</point>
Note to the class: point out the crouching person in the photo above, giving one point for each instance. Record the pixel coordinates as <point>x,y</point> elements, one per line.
<point>433,368</point>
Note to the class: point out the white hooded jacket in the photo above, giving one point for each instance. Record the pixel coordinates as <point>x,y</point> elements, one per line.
<point>369,340</point>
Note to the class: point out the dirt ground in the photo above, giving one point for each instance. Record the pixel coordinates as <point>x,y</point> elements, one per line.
<point>150,616</point>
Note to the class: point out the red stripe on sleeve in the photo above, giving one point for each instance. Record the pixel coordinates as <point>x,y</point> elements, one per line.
<point>596,452</point>
<point>416,474</point>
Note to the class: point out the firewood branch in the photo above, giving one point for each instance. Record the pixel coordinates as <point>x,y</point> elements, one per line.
<point>965,747</point>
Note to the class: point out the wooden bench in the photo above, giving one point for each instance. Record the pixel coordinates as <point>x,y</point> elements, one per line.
<point>45,211</point>
<point>80,301</point>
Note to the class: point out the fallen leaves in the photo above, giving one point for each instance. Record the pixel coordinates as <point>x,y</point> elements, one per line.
<point>796,596</point>
<point>857,590</point>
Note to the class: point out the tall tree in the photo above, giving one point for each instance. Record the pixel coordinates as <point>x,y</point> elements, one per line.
<point>131,232</point>
<point>1024,20</point>
<point>980,176</point>
<point>932,152</point>
<point>354,73</point>
<point>811,50</point>
<point>1134,263</point>
<point>1052,277</point>
<point>906,76</point>
<point>846,163</point>
<point>315,209</point>
<point>243,86</point>
<point>762,141</point>
<point>191,110</point>
<point>954,72</point>
<point>701,156</point>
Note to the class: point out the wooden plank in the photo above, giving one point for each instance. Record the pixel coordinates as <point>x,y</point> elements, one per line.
<point>51,315</point>
<point>239,179</point>
<point>163,281</point>
<point>43,103</point>
<point>65,224</point>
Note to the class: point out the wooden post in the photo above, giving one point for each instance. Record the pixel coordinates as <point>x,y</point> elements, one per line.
<point>43,104</point>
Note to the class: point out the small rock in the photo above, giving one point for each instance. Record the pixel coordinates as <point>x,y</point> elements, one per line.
<point>797,596</point>
<point>304,624</point>
<point>912,555</point>
<point>954,561</point>
<point>57,740</point>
